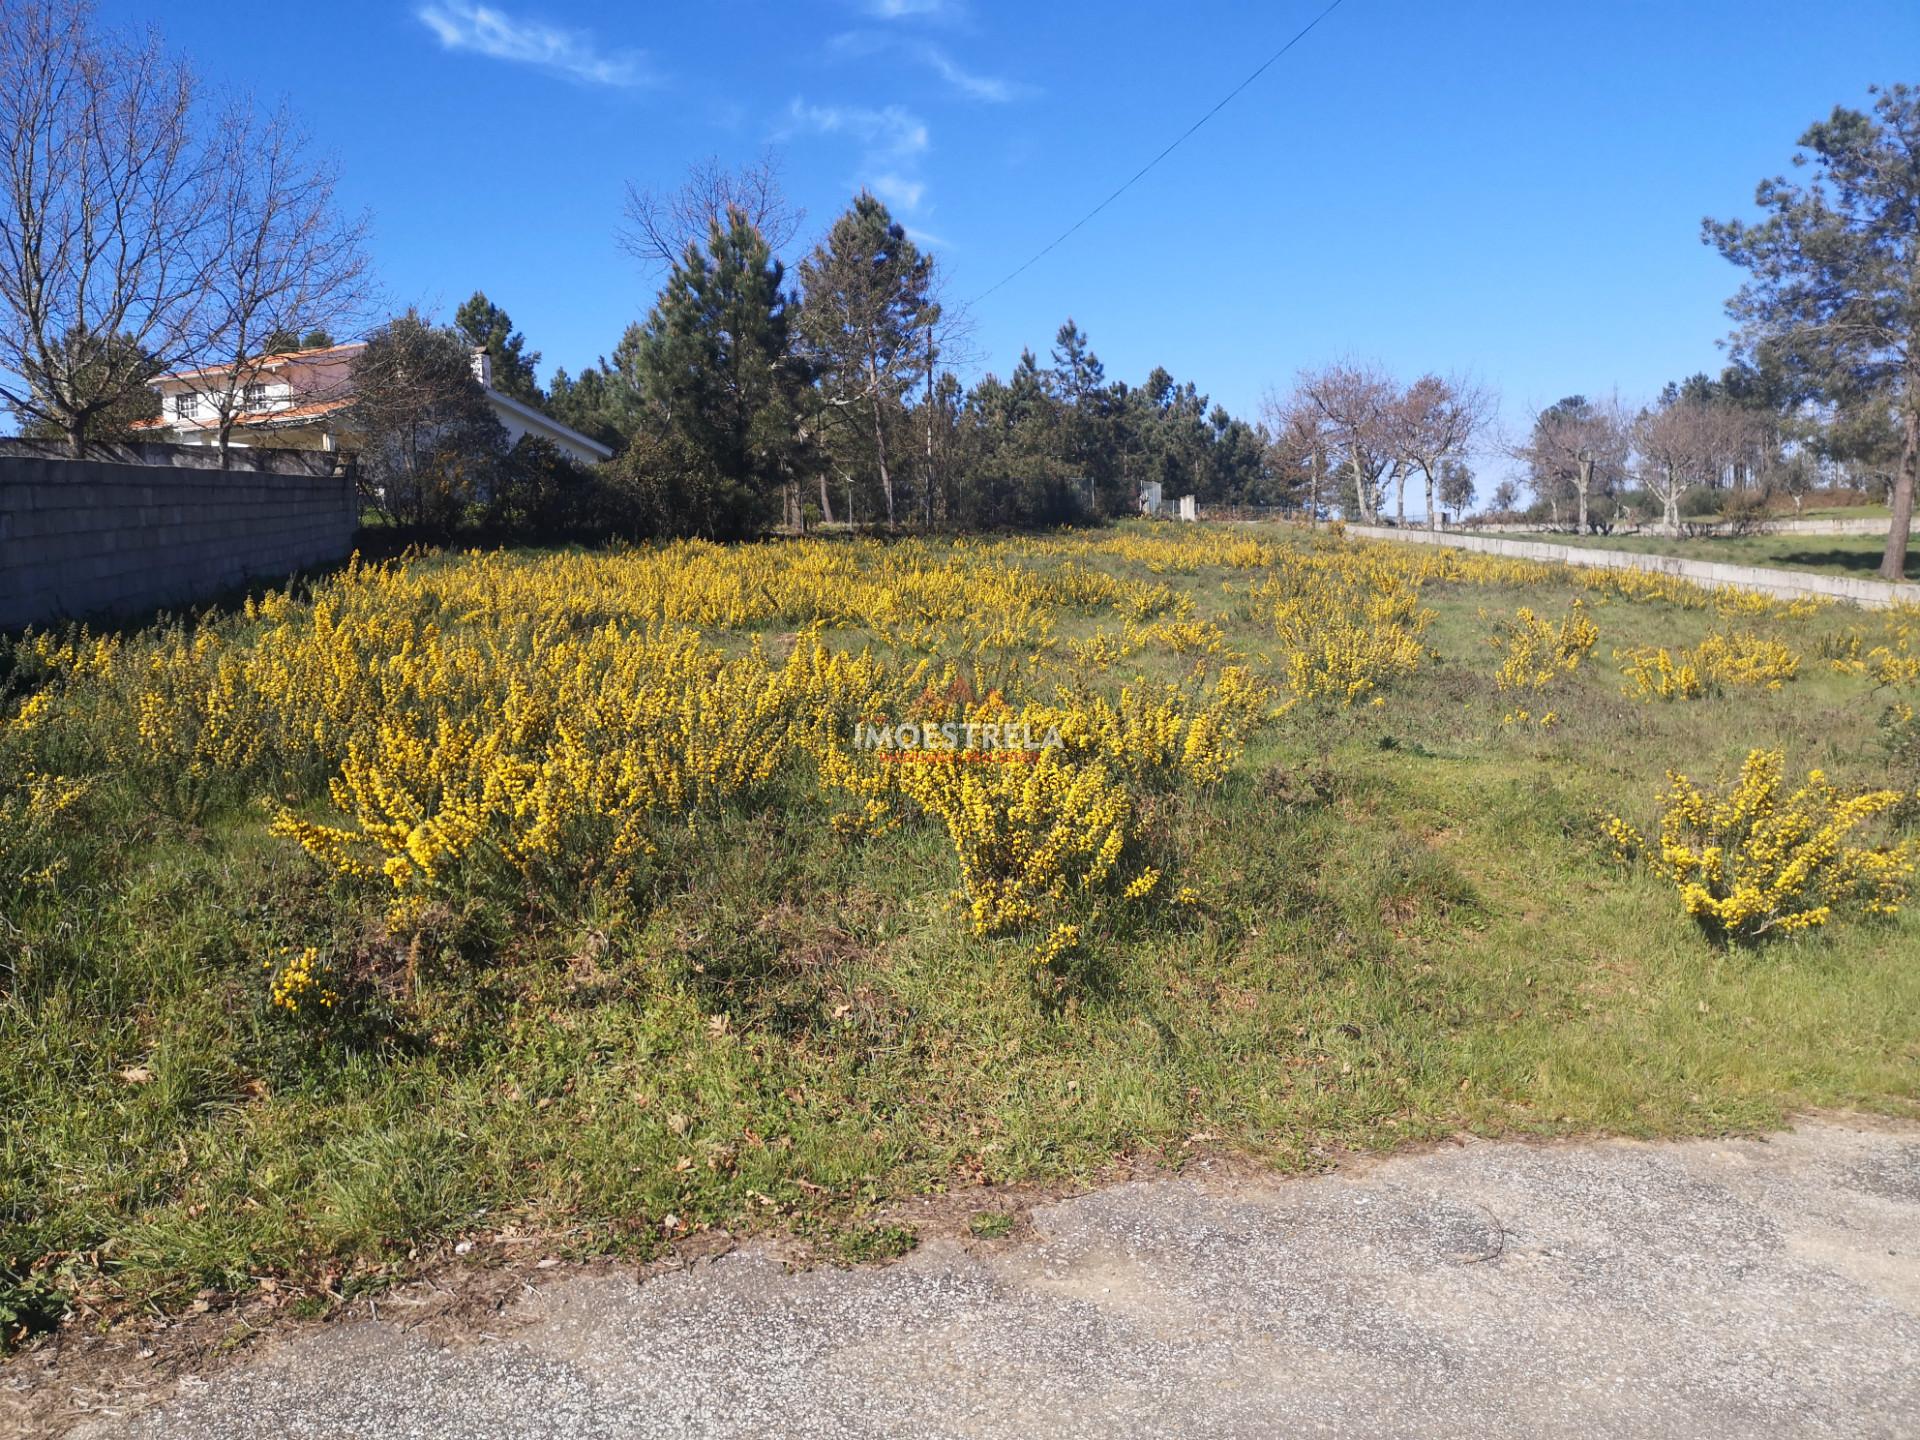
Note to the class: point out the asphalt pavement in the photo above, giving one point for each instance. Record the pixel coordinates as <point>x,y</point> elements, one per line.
<point>1743,1287</point>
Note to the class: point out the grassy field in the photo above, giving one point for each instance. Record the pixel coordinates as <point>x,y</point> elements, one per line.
<point>1856,555</point>
<point>546,895</point>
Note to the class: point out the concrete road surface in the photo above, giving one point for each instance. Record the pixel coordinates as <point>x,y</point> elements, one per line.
<point>1703,1288</point>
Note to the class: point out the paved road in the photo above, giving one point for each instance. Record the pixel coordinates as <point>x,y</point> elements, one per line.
<point>1708,1288</point>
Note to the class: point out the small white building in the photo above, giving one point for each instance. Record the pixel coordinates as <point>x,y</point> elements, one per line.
<point>520,418</point>
<point>299,401</point>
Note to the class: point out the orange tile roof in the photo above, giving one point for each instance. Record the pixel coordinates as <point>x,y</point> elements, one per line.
<point>260,417</point>
<point>268,362</point>
<point>298,412</point>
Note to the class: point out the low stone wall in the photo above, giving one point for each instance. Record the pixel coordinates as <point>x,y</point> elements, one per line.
<point>1783,584</point>
<point>100,539</point>
<point>1703,529</point>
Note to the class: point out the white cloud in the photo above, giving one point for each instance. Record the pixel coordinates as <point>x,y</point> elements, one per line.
<point>891,140</point>
<point>898,191</point>
<point>861,44</point>
<point>913,9</point>
<point>485,30</point>
<point>889,131</point>
<point>975,87</point>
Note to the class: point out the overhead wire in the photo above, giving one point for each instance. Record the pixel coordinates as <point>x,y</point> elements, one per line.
<point>1181,139</point>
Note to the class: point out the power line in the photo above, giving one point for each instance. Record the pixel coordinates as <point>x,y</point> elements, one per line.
<point>1265,65</point>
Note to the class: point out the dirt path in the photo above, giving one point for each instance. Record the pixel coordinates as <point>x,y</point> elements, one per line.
<point>1701,1288</point>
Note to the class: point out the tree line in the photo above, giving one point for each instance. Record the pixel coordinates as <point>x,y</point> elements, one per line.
<point>1348,435</point>
<point>147,228</point>
<point>1735,448</point>
<point>742,400</point>
<point>1824,386</point>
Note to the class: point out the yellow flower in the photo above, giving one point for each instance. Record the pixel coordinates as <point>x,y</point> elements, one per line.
<point>1758,861</point>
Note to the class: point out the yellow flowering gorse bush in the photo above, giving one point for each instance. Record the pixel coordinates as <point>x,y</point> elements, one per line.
<point>1894,660</point>
<point>31,814</point>
<point>301,984</point>
<point>1534,653</point>
<point>1734,659</point>
<point>531,727</point>
<point>1758,860</point>
<point>1348,621</point>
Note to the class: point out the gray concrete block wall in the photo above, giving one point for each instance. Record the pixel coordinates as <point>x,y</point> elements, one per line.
<point>105,539</point>
<point>1782,584</point>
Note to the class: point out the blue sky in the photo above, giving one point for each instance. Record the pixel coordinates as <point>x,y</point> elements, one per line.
<point>1512,189</point>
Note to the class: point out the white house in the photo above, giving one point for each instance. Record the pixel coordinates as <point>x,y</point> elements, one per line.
<point>520,418</point>
<point>299,401</point>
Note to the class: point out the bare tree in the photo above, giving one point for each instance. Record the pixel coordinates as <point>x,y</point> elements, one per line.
<point>1687,441</point>
<point>1577,445</point>
<point>1357,402</point>
<point>1438,420</point>
<point>1300,439</point>
<point>103,216</point>
<point>947,341</point>
<point>140,236</point>
<point>1665,444</point>
<point>283,257</point>
<point>661,224</point>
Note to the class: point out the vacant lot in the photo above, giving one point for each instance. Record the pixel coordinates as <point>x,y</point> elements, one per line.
<point>1856,555</point>
<point>553,894</point>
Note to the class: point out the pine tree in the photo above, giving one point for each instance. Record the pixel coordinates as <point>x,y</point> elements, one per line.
<point>1077,371</point>
<point>603,400</point>
<point>487,326</point>
<point>1835,290</point>
<point>720,387</point>
<point>283,340</point>
<point>586,403</point>
<point>1091,434</point>
<point>1456,485</point>
<point>864,321</point>
<point>1170,420</point>
<point>1239,469</point>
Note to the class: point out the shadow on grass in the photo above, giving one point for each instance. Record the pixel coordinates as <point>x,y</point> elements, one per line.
<point>1862,563</point>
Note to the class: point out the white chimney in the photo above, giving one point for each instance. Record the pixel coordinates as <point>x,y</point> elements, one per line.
<point>483,367</point>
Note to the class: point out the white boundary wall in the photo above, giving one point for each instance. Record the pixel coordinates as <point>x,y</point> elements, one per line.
<point>1783,584</point>
<point>1702,528</point>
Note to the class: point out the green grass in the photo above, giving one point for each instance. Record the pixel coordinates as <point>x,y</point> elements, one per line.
<point>877,1242</point>
<point>1408,927</point>
<point>1855,555</point>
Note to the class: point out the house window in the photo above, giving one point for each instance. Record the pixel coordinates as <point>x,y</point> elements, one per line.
<point>186,406</point>
<point>254,395</point>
